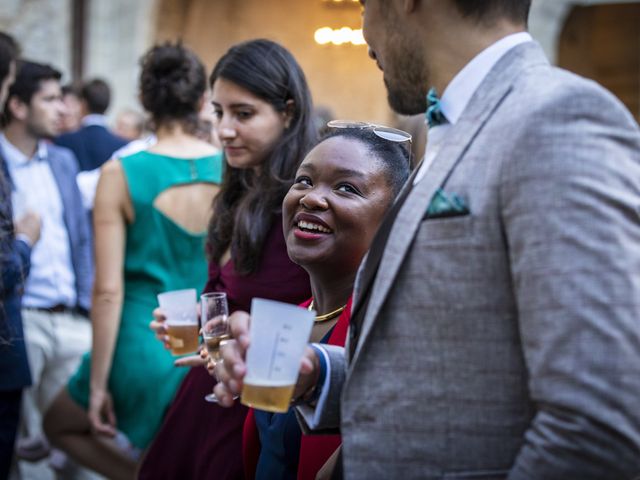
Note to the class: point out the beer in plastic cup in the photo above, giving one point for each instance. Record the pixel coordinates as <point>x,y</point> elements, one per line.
<point>179,306</point>
<point>279,334</point>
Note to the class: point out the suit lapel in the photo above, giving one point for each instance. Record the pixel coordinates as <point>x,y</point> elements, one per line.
<point>484,102</point>
<point>63,179</point>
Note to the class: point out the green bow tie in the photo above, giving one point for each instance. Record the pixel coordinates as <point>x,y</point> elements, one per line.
<point>434,113</point>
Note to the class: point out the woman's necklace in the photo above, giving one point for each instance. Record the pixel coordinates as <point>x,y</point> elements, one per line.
<point>327,316</point>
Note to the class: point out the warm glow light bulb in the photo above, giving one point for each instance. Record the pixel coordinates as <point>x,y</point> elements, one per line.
<point>357,38</point>
<point>323,35</point>
<point>340,36</point>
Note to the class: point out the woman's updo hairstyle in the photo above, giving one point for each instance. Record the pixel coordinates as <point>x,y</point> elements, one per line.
<point>172,83</point>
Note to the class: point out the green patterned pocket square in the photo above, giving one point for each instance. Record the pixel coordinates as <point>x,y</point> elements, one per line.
<point>445,204</point>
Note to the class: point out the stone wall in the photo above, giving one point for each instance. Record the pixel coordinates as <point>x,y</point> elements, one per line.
<point>43,28</point>
<point>117,33</point>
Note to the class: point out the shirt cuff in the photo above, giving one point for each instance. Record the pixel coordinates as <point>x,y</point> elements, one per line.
<point>24,238</point>
<point>322,388</point>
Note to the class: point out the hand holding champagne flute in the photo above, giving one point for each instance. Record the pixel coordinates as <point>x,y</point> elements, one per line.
<point>276,362</point>
<point>215,327</point>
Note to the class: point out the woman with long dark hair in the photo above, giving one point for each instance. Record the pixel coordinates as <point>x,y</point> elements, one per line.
<point>263,109</point>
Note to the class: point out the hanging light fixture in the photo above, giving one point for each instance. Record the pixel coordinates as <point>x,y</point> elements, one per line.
<point>339,36</point>
<point>343,35</point>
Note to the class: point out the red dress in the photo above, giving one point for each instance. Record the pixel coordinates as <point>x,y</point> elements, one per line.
<point>315,450</point>
<point>199,439</point>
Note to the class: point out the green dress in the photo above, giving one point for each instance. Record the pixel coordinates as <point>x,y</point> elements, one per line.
<point>160,255</point>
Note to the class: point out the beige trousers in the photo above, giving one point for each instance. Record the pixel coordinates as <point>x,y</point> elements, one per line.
<point>55,344</point>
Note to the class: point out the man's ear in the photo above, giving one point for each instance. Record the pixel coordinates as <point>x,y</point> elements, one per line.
<point>19,110</point>
<point>84,107</point>
<point>288,112</point>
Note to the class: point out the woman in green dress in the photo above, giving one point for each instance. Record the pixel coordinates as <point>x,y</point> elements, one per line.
<point>150,218</point>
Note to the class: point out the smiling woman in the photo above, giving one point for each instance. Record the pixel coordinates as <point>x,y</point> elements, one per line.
<point>330,215</point>
<point>332,211</point>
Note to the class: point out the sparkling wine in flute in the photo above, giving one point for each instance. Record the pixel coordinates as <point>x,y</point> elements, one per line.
<point>183,338</point>
<point>268,396</point>
<point>215,327</point>
<point>213,343</point>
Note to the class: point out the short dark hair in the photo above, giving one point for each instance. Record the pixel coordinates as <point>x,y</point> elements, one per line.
<point>9,51</point>
<point>394,157</point>
<point>172,82</point>
<point>71,89</point>
<point>488,10</point>
<point>29,76</point>
<point>245,208</point>
<point>97,95</point>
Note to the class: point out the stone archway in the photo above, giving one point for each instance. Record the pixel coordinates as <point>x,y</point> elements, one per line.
<point>598,39</point>
<point>548,17</point>
<point>602,42</point>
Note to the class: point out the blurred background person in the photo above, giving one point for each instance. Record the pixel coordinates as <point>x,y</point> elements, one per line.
<point>264,121</point>
<point>56,297</point>
<point>93,144</point>
<point>150,217</point>
<point>16,242</point>
<point>73,112</point>
<point>130,124</point>
<point>322,114</point>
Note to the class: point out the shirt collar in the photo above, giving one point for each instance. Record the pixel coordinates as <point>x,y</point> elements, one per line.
<point>94,119</point>
<point>460,90</point>
<point>15,158</point>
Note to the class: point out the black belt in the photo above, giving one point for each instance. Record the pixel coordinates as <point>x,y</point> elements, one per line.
<point>60,308</point>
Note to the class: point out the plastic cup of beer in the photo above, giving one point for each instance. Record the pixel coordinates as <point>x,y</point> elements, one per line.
<point>180,308</point>
<point>279,335</point>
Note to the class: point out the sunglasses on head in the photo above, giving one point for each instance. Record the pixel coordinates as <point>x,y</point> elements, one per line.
<point>387,133</point>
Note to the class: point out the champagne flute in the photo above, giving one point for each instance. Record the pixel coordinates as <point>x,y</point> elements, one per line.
<point>215,327</point>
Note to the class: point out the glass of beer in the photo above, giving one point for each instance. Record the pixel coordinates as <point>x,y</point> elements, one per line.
<point>215,327</point>
<point>179,306</point>
<point>279,333</point>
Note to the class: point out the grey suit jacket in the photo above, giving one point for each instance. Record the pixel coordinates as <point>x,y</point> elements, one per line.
<point>506,342</point>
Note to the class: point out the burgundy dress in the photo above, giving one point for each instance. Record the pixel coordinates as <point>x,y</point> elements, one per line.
<point>200,439</point>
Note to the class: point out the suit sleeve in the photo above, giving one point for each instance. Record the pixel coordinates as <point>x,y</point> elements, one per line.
<point>324,417</point>
<point>15,264</point>
<point>570,199</point>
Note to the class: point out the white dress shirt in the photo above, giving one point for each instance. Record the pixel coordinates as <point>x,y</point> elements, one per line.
<point>452,103</point>
<point>458,93</point>
<point>94,119</point>
<point>51,280</point>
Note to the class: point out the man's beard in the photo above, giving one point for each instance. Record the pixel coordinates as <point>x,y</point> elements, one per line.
<point>406,86</point>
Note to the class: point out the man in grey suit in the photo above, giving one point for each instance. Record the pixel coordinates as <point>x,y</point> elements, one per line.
<point>496,326</point>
